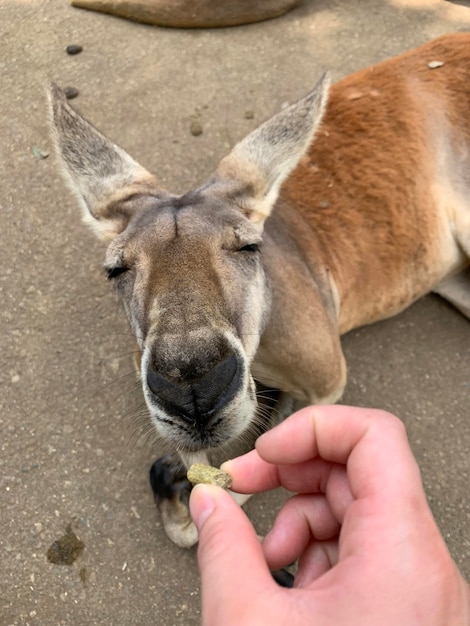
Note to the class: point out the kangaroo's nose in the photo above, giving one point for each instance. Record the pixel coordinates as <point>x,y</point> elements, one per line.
<point>196,401</point>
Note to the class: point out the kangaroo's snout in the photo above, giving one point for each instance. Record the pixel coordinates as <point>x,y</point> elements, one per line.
<point>195,399</point>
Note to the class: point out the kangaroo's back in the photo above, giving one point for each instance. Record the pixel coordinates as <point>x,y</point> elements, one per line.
<point>387,176</point>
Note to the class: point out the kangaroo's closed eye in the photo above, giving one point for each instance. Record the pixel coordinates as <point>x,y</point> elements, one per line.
<point>114,272</point>
<point>251,247</point>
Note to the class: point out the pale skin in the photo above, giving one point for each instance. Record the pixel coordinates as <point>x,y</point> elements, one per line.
<point>369,549</point>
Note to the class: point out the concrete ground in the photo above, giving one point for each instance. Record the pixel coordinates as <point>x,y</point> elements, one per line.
<point>70,452</point>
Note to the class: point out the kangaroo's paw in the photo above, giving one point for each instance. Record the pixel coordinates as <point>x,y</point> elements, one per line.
<point>171,491</point>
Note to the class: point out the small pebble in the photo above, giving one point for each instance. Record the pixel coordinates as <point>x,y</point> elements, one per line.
<point>196,128</point>
<point>70,93</point>
<point>73,49</point>
<point>249,114</point>
<point>83,575</point>
<point>39,154</point>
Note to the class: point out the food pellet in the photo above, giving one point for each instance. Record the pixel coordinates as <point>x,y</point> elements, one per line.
<point>199,473</point>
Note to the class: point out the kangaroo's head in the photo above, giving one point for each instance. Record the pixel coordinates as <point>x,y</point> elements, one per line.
<point>189,269</point>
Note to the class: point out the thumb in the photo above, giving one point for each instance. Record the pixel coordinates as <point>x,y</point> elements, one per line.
<point>230,556</point>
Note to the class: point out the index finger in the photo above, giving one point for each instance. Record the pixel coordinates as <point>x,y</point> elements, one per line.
<point>372,443</point>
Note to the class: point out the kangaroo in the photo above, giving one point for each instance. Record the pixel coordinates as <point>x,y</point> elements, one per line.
<point>341,210</point>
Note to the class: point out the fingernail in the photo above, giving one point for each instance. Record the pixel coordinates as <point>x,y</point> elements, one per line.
<point>226,465</point>
<point>261,437</point>
<point>201,504</point>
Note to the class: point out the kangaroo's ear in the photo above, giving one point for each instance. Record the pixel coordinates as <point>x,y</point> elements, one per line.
<point>102,175</point>
<point>254,171</point>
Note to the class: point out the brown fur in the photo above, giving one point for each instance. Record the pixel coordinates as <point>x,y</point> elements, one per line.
<point>370,181</point>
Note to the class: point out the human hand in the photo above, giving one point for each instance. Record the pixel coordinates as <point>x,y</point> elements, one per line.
<point>369,550</point>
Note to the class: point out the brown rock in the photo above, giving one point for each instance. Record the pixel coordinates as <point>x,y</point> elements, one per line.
<point>191,13</point>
